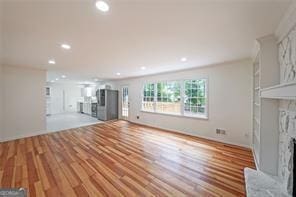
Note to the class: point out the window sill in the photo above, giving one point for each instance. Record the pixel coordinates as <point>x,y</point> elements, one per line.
<point>202,117</point>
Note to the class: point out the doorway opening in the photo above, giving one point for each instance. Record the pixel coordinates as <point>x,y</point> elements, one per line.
<point>125,103</point>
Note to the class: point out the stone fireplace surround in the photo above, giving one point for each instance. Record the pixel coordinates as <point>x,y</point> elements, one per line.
<point>286,145</point>
<point>257,182</point>
<point>263,185</point>
<point>287,110</point>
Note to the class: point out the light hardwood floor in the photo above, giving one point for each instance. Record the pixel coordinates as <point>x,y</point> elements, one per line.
<point>123,159</point>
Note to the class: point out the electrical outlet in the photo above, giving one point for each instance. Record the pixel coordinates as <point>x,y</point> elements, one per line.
<point>221,131</point>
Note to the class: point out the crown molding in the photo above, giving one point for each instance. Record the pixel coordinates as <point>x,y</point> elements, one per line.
<point>255,51</point>
<point>287,23</point>
<point>257,43</point>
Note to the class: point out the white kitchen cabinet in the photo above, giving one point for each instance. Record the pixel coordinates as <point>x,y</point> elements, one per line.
<point>88,91</point>
<point>84,108</point>
<point>87,108</point>
<point>48,108</point>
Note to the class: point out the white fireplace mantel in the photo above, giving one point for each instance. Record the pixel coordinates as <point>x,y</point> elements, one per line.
<point>283,91</point>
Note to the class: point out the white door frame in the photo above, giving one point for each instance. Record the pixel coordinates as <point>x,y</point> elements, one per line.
<point>125,113</point>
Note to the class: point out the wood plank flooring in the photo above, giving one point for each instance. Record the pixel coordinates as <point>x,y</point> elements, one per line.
<point>123,159</point>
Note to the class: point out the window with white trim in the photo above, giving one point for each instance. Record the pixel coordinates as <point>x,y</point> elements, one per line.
<point>184,98</point>
<point>195,97</point>
<point>148,97</point>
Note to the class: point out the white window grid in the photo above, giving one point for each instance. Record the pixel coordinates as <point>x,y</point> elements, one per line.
<point>183,97</point>
<point>195,96</point>
<point>148,96</point>
<point>168,98</point>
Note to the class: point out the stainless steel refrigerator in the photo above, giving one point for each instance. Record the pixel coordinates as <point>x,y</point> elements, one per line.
<point>107,104</point>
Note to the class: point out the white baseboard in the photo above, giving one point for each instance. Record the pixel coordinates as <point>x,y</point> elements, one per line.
<point>5,139</point>
<point>32,134</point>
<point>200,136</point>
<point>255,159</point>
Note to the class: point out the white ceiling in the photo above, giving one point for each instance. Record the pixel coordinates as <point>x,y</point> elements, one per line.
<point>135,33</point>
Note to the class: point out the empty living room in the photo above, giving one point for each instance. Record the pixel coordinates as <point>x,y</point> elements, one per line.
<point>148,98</point>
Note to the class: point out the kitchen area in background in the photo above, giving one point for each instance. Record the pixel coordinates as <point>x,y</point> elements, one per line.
<point>71,104</point>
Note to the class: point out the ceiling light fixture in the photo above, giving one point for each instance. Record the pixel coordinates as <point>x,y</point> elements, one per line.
<point>118,74</point>
<point>52,81</point>
<point>183,59</point>
<point>102,6</point>
<point>64,76</point>
<point>66,46</point>
<point>51,62</point>
<point>143,68</point>
<point>57,79</point>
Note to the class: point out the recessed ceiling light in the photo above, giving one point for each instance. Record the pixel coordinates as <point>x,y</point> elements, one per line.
<point>143,68</point>
<point>118,74</point>
<point>66,46</point>
<point>57,79</point>
<point>52,81</point>
<point>102,6</point>
<point>51,62</point>
<point>64,76</point>
<point>183,59</point>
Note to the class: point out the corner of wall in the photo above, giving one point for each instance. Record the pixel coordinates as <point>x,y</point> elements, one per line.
<point>30,84</point>
<point>1,75</point>
<point>1,102</point>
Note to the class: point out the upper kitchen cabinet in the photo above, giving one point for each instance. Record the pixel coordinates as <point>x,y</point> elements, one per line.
<point>88,91</point>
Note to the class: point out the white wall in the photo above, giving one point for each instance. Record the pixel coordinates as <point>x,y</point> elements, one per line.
<point>64,97</point>
<point>72,94</point>
<point>1,77</point>
<point>24,102</point>
<point>230,103</point>
<point>1,103</point>
<point>56,99</point>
